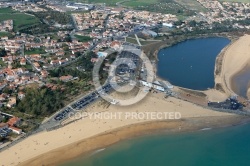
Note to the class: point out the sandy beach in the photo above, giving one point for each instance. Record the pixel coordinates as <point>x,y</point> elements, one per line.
<point>37,149</point>
<point>236,57</point>
<point>89,134</point>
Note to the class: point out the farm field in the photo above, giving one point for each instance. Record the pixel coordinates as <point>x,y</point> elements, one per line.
<point>181,8</point>
<point>242,1</point>
<point>107,2</point>
<point>20,20</point>
<point>191,4</point>
<point>136,3</point>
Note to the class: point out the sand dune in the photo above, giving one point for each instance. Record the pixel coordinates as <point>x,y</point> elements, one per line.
<point>236,57</point>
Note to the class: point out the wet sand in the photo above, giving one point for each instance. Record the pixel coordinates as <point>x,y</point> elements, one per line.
<point>86,146</point>
<point>34,149</point>
<point>85,136</point>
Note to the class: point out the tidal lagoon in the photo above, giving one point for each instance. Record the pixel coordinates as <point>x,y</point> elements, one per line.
<point>190,64</point>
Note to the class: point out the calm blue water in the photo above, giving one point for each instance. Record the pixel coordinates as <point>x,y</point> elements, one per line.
<point>190,64</point>
<point>219,147</point>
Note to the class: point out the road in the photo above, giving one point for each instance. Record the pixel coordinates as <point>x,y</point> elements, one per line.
<point>129,51</point>
<point>119,4</point>
<point>137,39</point>
<point>86,100</point>
<point>74,107</point>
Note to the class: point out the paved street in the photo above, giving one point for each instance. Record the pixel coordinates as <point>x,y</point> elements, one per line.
<point>129,51</point>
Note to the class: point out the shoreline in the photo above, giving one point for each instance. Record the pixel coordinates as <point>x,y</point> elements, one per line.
<point>209,93</point>
<point>232,65</point>
<point>233,82</point>
<point>88,146</point>
<point>223,85</point>
<point>165,43</point>
<point>34,149</point>
<point>196,118</point>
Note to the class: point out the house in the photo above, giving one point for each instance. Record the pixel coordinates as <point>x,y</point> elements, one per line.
<point>21,95</point>
<point>12,102</point>
<point>63,61</point>
<point>149,33</point>
<point>15,130</point>
<point>2,85</point>
<point>117,10</point>
<point>23,61</point>
<point>93,60</point>
<point>1,73</point>
<point>14,121</point>
<point>5,38</point>
<point>159,87</point>
<point>37,66</point>
<point>66,78</point>
<point>44,73</point>
<point>35,56</point>
<point>54,62</point>
<point>61,53</point>
<point>72,56</point>
<point>147,84</point>
<point>115,45</point>
<point>5,59</point>
<point>3,96</point>
<point>36,78</point>
<point>10,77</point>
<point>169,25</point>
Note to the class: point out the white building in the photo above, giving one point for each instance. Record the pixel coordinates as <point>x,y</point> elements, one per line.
<point>15,130</point>
<point>154,85</point>
<point>168,25</point>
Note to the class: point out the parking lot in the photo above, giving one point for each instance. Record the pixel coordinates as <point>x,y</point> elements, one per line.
<point>92,97</point>
<point>131,52</point>
<point>129,63</point>
<point>4,132</point>
<point>82,103</point>
<point>63,114</point>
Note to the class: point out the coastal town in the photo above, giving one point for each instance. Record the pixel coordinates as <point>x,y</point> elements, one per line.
<point>48,57</point>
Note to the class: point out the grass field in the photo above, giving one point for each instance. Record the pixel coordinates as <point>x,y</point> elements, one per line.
<point>35,51</point>
<point>143,42</point>
<point>135,3</point>
<point>7,10</point>
<point>20,20</point>
<point>2,64</point>
<point>5,34</point>
<point>83,38</point>
<point>242,1</point>
<point>131,40</point>
<point>181,8</point>
<point>192,4</point>
<point>107,2</point>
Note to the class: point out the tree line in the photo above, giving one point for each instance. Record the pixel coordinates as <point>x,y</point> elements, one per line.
<point>40,102</point>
